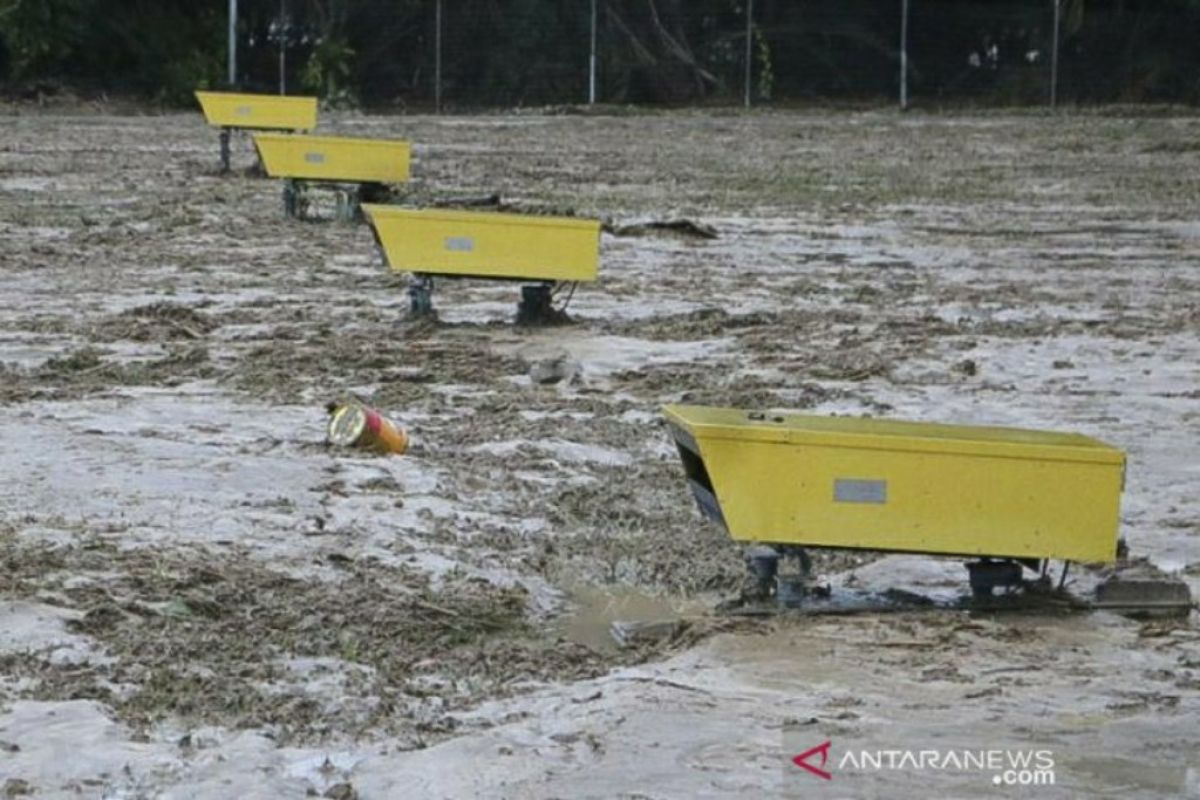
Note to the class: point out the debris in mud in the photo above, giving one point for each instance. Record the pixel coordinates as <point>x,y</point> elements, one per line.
<point>371,355</point>
<point>352,424</point>
<point>484,201</point>
<point>704,323</point>
<point>967,367</point>
<point>155,322</point>
<point>556,369</point>
<point>81,361</point>
<point>612,531</point>
<point>689,229</point>
<point>857,364</point>
<point>17,787</point>
<point>1140,589</point>
<point>211,639</point>
<point>341,791</point>
<point>416,196</point>
<point>86,371</point>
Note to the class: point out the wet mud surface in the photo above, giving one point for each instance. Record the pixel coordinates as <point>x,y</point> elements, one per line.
<point>202,593</point>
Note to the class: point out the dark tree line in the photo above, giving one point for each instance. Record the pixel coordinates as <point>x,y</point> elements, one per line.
<point>532,52</point>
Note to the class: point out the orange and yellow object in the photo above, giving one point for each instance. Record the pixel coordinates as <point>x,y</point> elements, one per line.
<point>355,425</point>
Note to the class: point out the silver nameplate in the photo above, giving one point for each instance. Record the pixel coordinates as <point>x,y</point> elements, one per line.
<point>460,244</point>
<point>854,490</point>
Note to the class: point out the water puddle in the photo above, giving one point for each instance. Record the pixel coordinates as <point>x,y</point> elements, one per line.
<point>597,608</point>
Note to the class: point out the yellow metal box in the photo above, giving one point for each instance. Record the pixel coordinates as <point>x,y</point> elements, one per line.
<point>258,111</point>
<point>487,245</point>
<point>901,486</point>
<point>336,159</point>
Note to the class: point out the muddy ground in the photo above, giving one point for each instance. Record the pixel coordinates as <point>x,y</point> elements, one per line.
<point>199,599</point>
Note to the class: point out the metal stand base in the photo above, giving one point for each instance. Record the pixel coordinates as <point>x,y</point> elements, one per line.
<point>766,582</point>
<point>536,307</point>
<point>1135,590</point>
<point>763,563</point>
<point>347,208</point>
<point>295,198</point>
<point>226,155</point>
<point>420,296</point>
<point>348,199</point>
<point>987,575</point>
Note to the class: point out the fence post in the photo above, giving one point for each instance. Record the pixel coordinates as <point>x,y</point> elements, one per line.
<point>233,43</point>
<point>592,59</point>
<point>903,55</point>
<point>437,62</point>
<point>1054,58</point>
<point>749,49</point>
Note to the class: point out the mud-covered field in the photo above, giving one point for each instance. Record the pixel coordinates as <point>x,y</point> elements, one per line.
<point>198,598</point>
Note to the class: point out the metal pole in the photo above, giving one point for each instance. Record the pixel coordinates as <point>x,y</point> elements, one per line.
<point>437,64</point>
<point>1054,58</point>
<point>283,34</point>
<point>749,48</point>
<point>904,55</point>
<point>233,43</point>
<point>592,60</point>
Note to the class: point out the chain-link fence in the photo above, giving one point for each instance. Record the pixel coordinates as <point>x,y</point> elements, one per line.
<point>463,54</point>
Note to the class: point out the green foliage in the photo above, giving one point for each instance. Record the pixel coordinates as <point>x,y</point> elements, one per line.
<point>529,29</point>
<point>1072,15</point>
<point>766,74</point>
<point>161,49</point>
<point>181,76</point>
<point>41,33</point>
<point>327,72</point>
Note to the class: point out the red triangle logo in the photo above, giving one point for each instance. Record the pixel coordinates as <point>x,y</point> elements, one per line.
<point>802,760</point>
